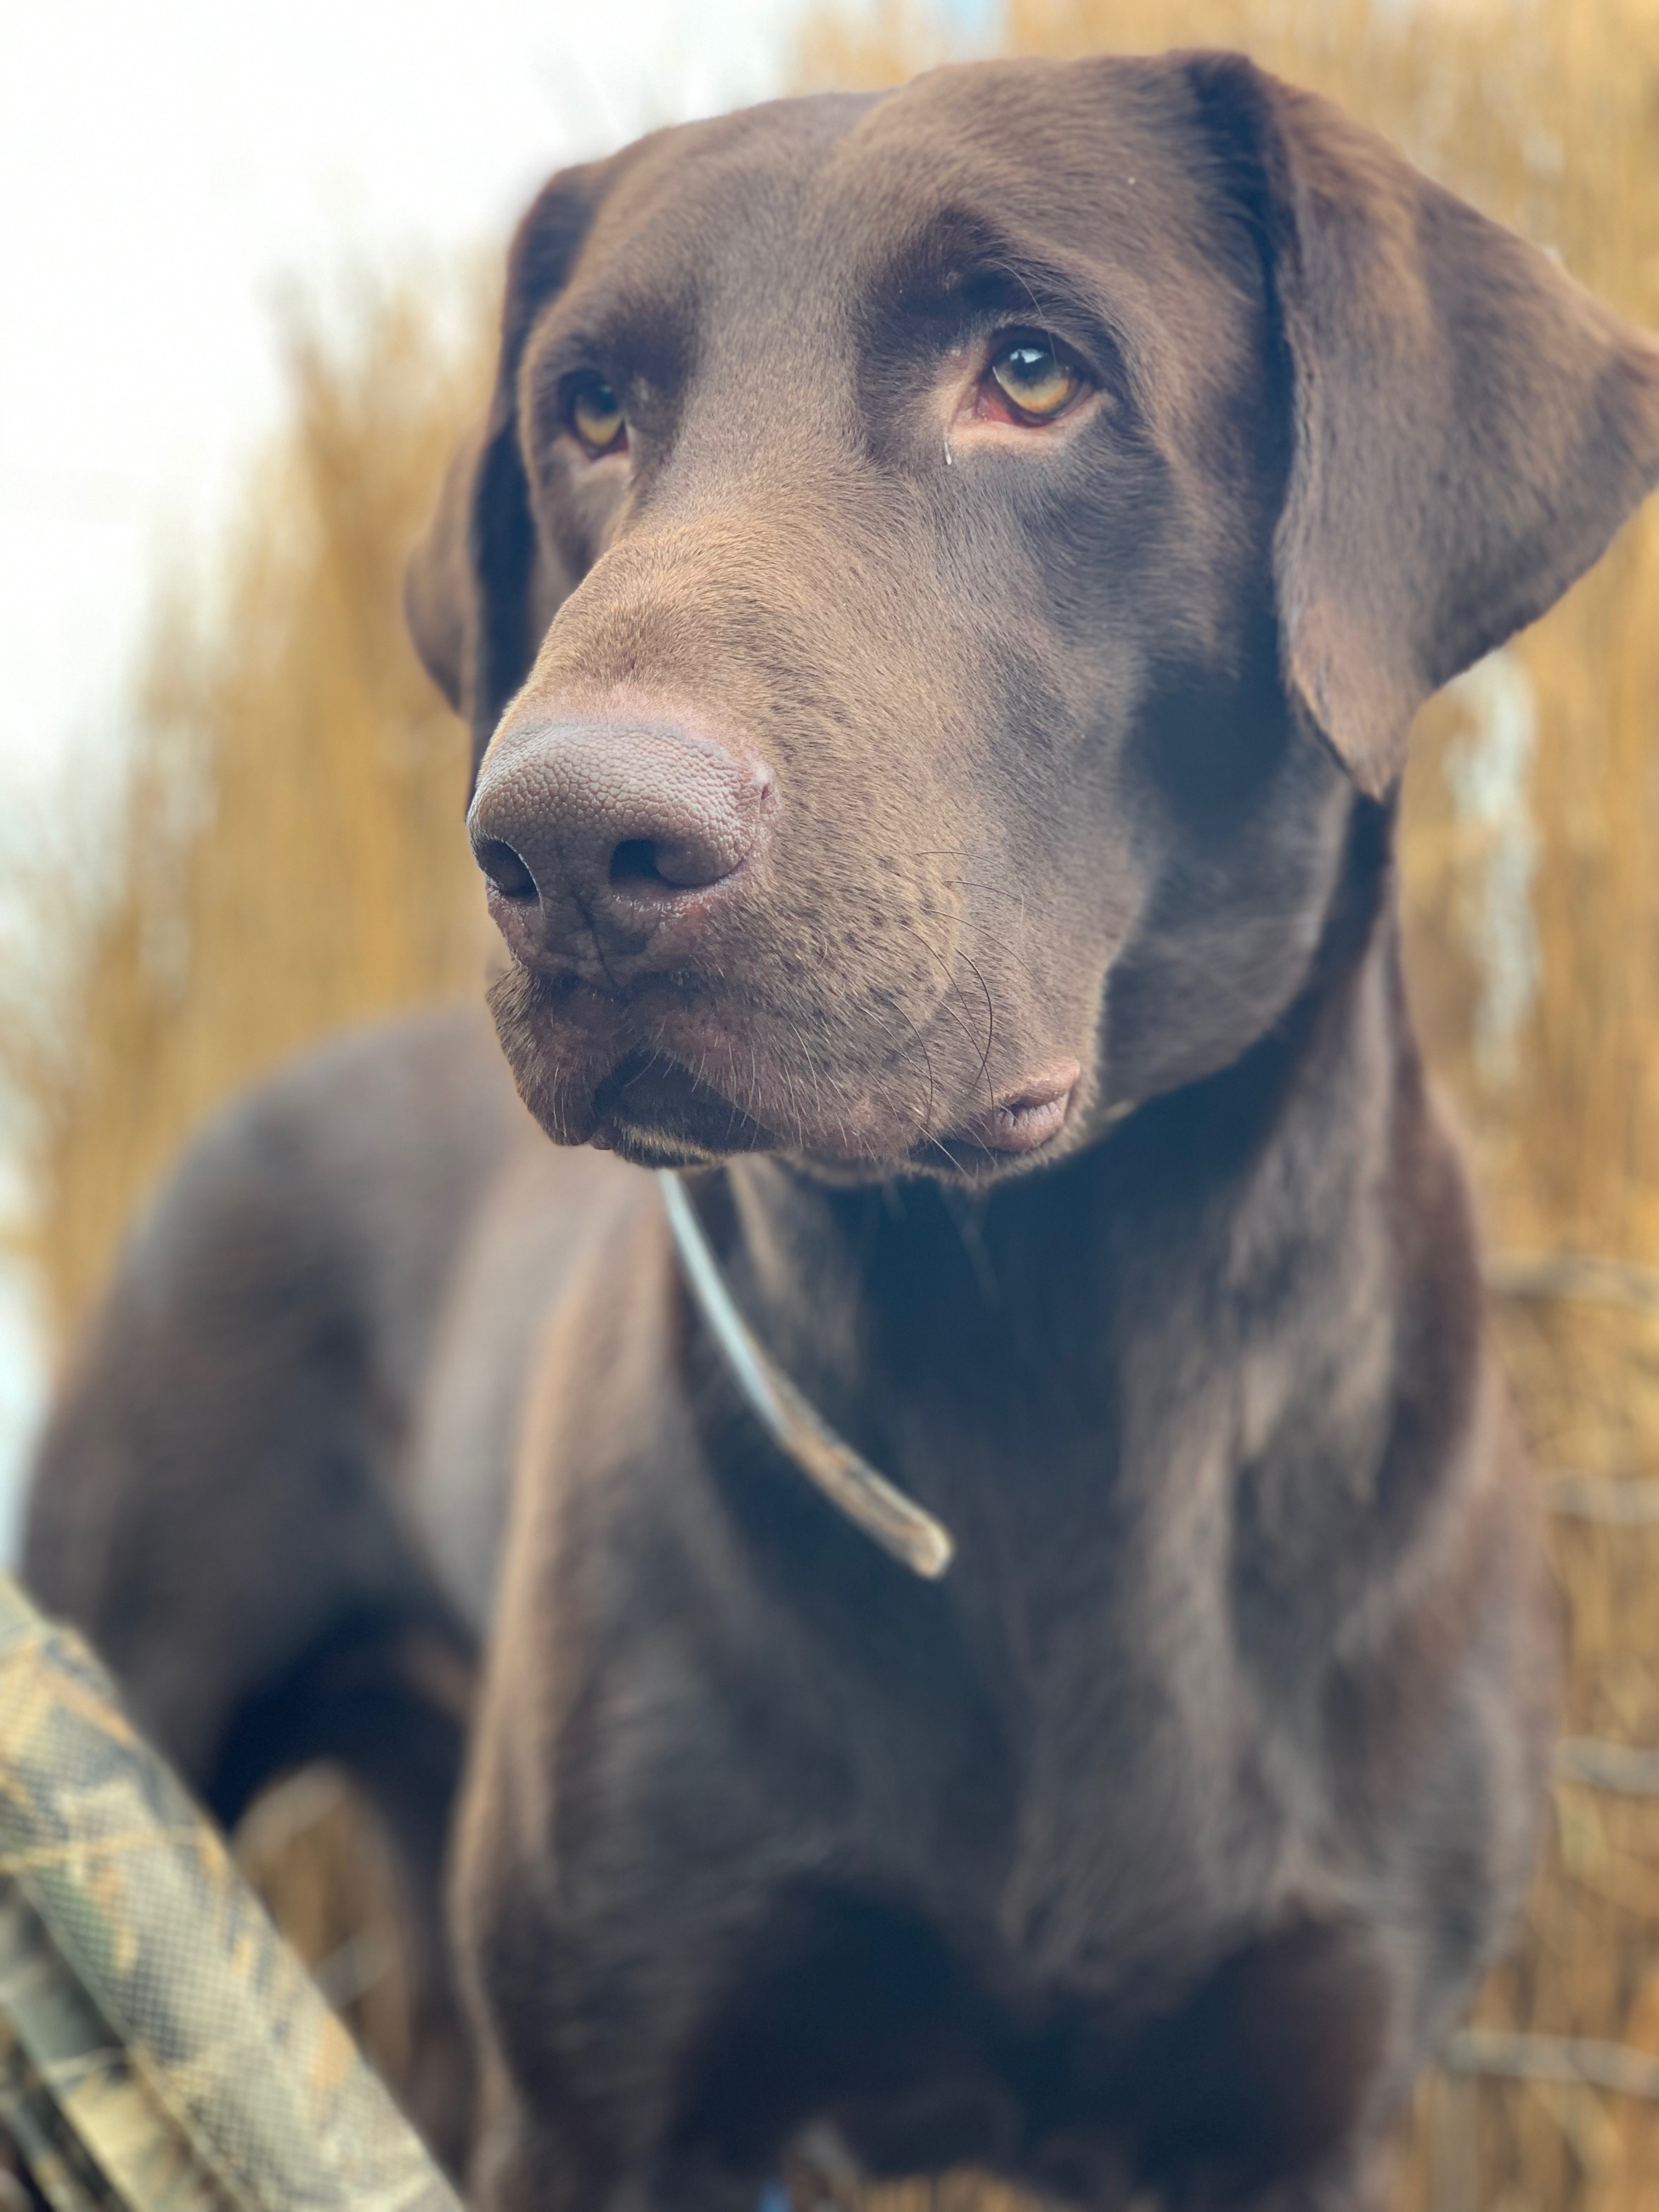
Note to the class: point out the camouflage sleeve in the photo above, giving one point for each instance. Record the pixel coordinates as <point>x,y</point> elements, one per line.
<point>160,2047</point>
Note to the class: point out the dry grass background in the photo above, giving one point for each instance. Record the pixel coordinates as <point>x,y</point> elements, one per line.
<point>290,857</point>
<point>288,853</point>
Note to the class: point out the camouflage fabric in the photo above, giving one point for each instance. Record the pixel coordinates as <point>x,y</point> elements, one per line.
<point>160,2047</point>
<point>65,2083</point>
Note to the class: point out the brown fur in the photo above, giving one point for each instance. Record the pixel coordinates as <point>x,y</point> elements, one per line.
<point>849,765</point>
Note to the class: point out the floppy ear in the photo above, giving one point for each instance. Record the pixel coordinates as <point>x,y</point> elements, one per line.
<point>479,591</point>
<point>438,596</point>
<point>1470,427</point>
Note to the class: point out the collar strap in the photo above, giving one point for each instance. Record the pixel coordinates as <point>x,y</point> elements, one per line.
<point>885,1515</point>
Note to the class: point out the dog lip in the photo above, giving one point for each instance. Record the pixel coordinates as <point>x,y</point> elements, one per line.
<point>1027,1118</point>
<point>621,1063</point>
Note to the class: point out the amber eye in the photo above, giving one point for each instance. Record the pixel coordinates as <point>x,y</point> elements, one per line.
<point>596,414</point>
<point>1032,377</point>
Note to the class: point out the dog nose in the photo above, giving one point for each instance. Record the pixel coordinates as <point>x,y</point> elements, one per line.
<point>619,826</point>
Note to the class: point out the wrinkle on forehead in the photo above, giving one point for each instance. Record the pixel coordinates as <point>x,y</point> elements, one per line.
<point>740,265</point>
<point>789,217</point>
<point>1099,168</point>
<point>685,197</point>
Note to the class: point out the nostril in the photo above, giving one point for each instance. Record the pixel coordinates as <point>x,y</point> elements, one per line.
<point>609,823</point>
<point>505,870</point>
<point>634,862</point>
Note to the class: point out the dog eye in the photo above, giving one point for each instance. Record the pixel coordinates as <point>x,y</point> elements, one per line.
<point>1034,379</point>
<point>595,415</point>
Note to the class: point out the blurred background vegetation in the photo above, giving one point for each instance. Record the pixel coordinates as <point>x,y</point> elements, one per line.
<point>286,852</point>
<point>287,856</point>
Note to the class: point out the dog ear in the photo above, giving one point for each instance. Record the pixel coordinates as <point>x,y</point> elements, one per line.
<point>1470,427</point>
<point>478,591</point>
<point>438,596</point>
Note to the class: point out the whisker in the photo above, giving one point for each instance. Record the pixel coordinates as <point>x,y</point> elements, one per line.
<point>990,1032</point>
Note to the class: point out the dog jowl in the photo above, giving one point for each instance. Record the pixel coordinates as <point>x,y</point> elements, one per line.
<point>939,598</point>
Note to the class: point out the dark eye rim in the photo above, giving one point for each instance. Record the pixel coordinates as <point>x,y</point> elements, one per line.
<point>588,380</point>
<point>1007,340</point>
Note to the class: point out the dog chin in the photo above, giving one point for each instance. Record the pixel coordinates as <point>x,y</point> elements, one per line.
<point>585,1085</point>
<point>657,1113</point>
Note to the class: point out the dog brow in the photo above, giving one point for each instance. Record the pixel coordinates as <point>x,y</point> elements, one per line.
<point>963,265</point>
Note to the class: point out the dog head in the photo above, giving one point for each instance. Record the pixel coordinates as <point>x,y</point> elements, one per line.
<point>942,571</point>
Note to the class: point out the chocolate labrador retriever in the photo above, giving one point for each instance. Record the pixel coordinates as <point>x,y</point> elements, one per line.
<point>939,598</point>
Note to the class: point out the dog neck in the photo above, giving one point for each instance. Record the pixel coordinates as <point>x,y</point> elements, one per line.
<point>918,1540</point>
<point>882,1321</point>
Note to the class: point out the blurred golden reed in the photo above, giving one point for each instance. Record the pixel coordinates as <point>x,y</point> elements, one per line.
<point>290,857</point>
<point>287,854</point>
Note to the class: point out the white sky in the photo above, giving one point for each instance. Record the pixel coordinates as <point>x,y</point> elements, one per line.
<point>167,164</point>
<point>167,167</point>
